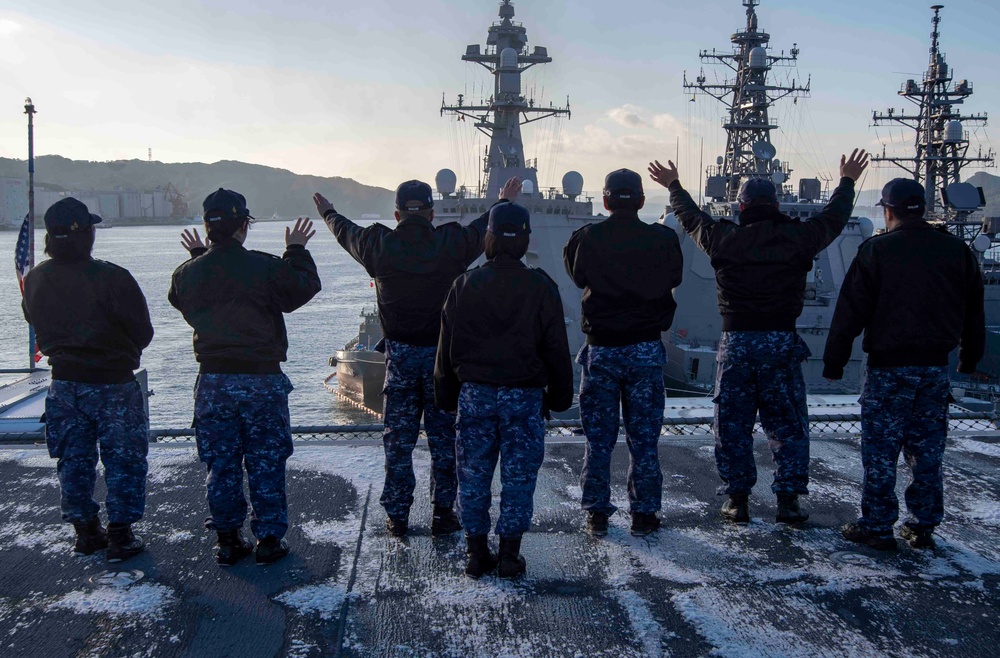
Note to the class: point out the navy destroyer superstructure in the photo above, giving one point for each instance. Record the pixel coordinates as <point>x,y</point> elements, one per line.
<point>555,214</point>
<point>748,95</point>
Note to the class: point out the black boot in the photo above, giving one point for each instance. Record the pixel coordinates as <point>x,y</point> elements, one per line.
<point>233,547</point>
<point>397,527</point>
<point>859,535</point>
<point>480,561</point>
<point>918,537</point>
<point>271,549</point>
<point>444,521</point>
<point>512,563</point>
<point>122,543</point>
<point>597,524</point>
<point>644,524</point>
<point>789,510</point>
<point>737,508</point>
<point>90,537</point>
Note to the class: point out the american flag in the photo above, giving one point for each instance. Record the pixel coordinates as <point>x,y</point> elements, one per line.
<point>21,253</point>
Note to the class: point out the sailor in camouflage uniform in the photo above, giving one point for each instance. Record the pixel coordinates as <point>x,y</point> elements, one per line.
<point>917,293</point>
<point>761,264</point>
<point>628,270</point>
<point>414,265</point>
<point>234,299</point>
<point>92,322</point>
<point>502,359</point>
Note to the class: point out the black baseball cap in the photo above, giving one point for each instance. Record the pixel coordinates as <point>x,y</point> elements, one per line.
<point>509,220</point>
<point>414,195</point>
<point>67,215</point>
<point>623,184</point>
<point>758,189</point>
<point>903,194</point>
<point>224,204</point>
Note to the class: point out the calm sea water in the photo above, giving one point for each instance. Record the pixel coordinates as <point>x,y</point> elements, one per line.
<point>151,253</point>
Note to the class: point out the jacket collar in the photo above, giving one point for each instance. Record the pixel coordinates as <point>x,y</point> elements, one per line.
<point>505,261</point>
<point>912,224</point>
<point>415,221</point>
<point>624,216</point>
<point>755,214</point>
<point>228,243</point>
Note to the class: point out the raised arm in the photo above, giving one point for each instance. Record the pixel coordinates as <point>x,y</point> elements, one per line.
<point>296,281</point>
<point>830,222</point>
<point>705,231</point>
<point>475,233</point>
<point>355,240</point>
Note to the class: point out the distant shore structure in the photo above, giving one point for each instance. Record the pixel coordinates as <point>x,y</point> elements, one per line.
<point>162,205</point>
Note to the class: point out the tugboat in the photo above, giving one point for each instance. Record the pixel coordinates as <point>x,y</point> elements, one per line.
<point>555,214</point>
<point>692,342</point>
<point>942,148</point>
<point>360,369</point>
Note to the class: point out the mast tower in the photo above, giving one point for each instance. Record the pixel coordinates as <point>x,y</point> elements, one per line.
<point>500,118</point>
<point>942,143</point>
<point>747,96</point>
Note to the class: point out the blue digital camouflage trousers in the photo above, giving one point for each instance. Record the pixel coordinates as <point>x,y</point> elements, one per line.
<point>505,423</point>
<point>903,409</point>
<point>761,371</point>
<point>409,394</point>
<point>629,378</point>
<point>241,421</point>
<point>78,419</point>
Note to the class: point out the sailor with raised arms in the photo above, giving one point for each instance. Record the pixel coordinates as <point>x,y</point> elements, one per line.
<point>414,265</point>
<point>761,265</point>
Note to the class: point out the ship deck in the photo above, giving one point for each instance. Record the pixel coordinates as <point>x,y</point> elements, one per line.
<point>698,587</point>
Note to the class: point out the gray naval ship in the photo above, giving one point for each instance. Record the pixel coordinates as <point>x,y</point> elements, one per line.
<point>555,214</point>
<point>942,149</point>
<point>748,96</point>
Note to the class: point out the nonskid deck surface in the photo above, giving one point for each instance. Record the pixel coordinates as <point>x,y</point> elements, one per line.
<point>699,587</point>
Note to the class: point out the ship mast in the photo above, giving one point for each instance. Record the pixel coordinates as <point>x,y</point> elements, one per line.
<point>942,144</point>
<point>500,118</point>
<point>748,97</point>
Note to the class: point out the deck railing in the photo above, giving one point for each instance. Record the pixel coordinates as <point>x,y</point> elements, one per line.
<point>695,427</point>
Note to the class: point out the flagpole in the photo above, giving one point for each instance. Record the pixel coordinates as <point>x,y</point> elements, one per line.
<point>29,109</point>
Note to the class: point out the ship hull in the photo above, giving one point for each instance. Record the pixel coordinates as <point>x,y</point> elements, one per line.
<point>361,378</point>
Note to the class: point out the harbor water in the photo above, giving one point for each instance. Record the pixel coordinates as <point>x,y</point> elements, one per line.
<point>151,253</point>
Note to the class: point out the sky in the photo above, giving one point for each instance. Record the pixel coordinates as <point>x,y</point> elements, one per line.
<point>353,89</point>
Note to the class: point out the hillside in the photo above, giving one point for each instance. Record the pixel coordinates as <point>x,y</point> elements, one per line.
<point>268,190</point>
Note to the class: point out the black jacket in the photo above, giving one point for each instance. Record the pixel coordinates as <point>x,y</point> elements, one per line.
<point>917,293</point>
<point>503,325</point>
<point>628,270</point>
<point>90,318</point>
<point>413,266</point>
<point>761,263</point>
<point>234,299</point>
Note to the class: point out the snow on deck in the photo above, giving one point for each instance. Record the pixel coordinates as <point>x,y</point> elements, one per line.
<point>699,587</point>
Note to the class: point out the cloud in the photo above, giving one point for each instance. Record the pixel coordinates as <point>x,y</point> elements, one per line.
<point>628,116</point>
<point>669,123</point>
<point>9,27</point>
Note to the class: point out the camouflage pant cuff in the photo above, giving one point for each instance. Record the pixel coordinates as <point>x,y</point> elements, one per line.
<point>786,489</point>
<point>875,529</point>
<point>127,519</point>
